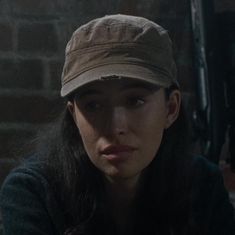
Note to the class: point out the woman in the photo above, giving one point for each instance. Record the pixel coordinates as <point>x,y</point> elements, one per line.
<point>116,161</point>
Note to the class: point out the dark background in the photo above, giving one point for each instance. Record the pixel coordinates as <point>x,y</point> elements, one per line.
<point>33,36</point>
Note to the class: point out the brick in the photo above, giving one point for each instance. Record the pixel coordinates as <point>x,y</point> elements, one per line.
<point>55,68</point>
<point>21,73</point>
<point>28,109</point>
<point>3,10</point>
<point>6,37</point>
<point>38,8</point>
<point>37,38</point>
<point>31,6</point>
<point>65,30</point>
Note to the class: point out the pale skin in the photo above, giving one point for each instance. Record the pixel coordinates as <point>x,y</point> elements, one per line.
<point>121,124</point>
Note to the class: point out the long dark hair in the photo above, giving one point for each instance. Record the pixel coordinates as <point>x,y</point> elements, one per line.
<point>164,192</point>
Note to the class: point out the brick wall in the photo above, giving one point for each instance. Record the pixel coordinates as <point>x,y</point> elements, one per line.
<point>33,35</point>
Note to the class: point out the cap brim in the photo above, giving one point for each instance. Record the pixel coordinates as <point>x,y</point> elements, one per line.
<point>118,70</point>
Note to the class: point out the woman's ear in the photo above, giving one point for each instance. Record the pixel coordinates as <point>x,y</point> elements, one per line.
<point>173,107</point>
<point>71,108</point>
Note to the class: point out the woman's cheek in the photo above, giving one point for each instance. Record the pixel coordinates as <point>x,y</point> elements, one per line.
<point>90,140</point>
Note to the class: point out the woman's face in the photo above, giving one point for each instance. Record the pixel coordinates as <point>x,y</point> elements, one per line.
<point>121,123</point>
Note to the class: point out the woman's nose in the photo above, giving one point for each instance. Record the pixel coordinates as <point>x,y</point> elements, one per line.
<point>118,121</point>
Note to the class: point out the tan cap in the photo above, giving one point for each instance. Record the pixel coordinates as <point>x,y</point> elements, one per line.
<point>117,46</point>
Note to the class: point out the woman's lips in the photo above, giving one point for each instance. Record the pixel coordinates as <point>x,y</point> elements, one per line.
<point>117,152</point>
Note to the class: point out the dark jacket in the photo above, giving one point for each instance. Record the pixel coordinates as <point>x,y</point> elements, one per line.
<point>29,205</point>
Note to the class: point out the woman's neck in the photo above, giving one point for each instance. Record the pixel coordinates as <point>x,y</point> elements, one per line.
<point>121,194</point>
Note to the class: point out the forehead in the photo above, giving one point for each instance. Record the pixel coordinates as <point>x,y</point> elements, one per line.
<point>116,85</point>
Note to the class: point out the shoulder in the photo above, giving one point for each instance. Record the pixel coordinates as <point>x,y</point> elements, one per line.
<point>211,204</point>
<point>28,174</point>
<point>26,192</point>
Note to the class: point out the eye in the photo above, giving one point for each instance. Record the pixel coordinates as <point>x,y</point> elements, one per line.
<point>92,106</point>
<point>135,102</point>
